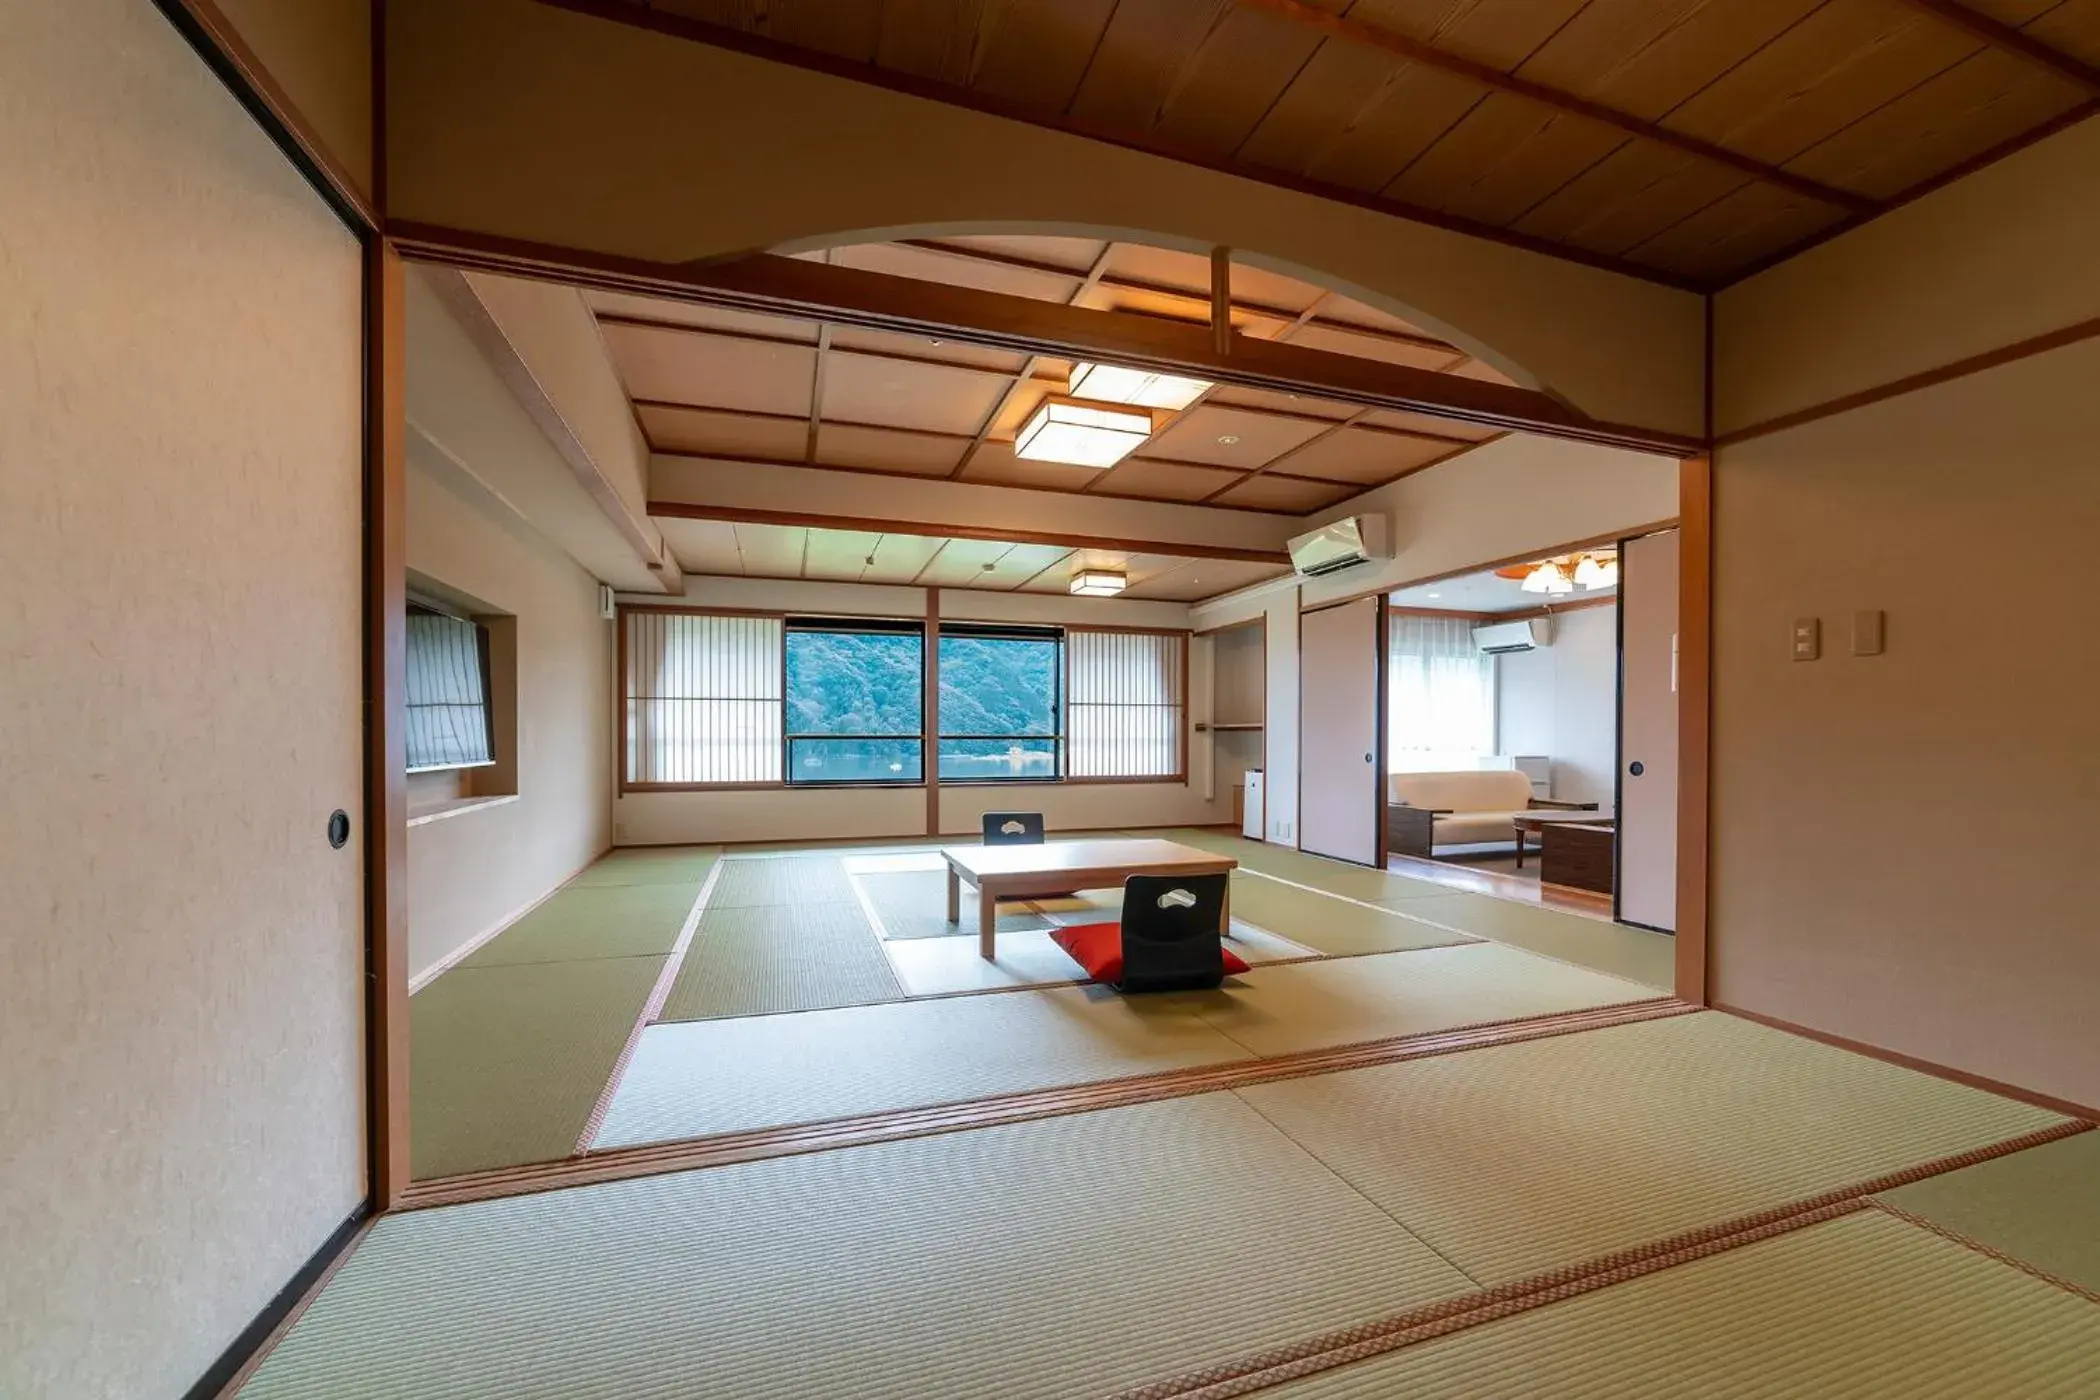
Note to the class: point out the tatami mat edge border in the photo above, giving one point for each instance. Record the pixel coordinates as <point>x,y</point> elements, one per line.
<point>724,1149</point>
<point>1259,1370</point>
<point>666,978</point>
<point>2032,1271</point>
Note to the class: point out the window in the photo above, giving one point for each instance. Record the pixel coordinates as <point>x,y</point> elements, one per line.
<point>447,677</point>
<point>703,698</point>
<point>1127,704</point>
<point>1001,703</point>
<point>855,701</point>
<point>1442,696</point>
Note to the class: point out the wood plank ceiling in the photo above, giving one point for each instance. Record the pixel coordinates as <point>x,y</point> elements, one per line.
<point>774,392</point>
<point>863,556</point>
<point>1686,140</point>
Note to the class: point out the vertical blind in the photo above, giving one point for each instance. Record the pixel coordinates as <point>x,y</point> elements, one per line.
<point>1127,704</point>
<point>703,698</point>
<point>446,679</point>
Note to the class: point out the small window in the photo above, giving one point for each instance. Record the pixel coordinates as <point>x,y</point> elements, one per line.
<point>1002,704</point>
<point>448,692</point>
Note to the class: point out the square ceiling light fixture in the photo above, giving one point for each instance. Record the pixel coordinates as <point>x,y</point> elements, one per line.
<point>1114,384</point>
<point>1097,583</point>
<point>1081,434</point>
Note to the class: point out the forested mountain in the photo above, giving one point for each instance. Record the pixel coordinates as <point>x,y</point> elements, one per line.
<point>869,683</point>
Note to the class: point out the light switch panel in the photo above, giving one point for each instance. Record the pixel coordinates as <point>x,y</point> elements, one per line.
<point>1808,638</point>
<point>1866,632</point>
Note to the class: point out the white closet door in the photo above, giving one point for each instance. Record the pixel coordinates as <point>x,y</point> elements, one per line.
<point>1648,731</point>
<point>1341,798</point>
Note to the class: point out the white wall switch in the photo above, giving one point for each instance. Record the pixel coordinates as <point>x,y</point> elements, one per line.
<point>1808,638</point>
<point>1867,628</point>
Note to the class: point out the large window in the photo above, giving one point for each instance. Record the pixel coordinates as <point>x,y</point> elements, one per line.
<point>1002,704</point>
<point>1127,703</point>
<point>447,680</point>
<point>1442,696</point>
<point>703,698</point>
<point>855,701</point>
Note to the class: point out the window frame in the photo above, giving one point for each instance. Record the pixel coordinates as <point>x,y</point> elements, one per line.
<point>963,628</point>
<point>1181,730</point>
<point>625,701</point>
<point>837,624</point>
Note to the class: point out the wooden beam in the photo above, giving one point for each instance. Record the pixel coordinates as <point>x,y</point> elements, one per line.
<point>1221,299</point>
<point>2080,74</point>
<point>927,529</point>
<point>779,286</point>
<point>1429,56</point>
<point>1032,364</point>
<point>930,703</point>
<point>1695,545</point>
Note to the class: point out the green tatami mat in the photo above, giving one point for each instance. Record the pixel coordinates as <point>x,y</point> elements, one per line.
<point>1327,925</point>
<point>651,865</point>
<point>753,960</point>
<point>1335,876</point>
<point>1608,947</point>
<point>2041,1206</point>
<point>914,904</point>
<point>1520,1158</point>
<point>747,880</point>
<point>509,1061</point>
<point>699,1077</point>
<point>593,921</point>
<point>1861,1306</point>
<point>1069,1257</point>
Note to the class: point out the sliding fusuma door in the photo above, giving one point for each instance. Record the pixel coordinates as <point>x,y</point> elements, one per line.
<point>1341,654</point>
<point>1647,882</point>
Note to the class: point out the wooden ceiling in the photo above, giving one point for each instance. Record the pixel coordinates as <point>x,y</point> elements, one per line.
<point>778,392</point>
<point>860,556</point>
<point>1686,140</point>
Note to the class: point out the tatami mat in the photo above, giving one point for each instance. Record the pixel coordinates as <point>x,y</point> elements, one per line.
<point>1861,1306</point>
<point>934,966</point>
<point>1072,1256</point>
<point>704,1077</point>
<point>1608,947</point>
<point>508,1061</point>
<point>1287,863</point>
<point>780,880</point>
<point>2041,1206</point>
<point>651,865</point>
<point>593,921</point>
<point>914,904</point>
<point>754,960</point>
<point>1329,925</point>
<point>1520,1158</point>
<point>1341,1001</point>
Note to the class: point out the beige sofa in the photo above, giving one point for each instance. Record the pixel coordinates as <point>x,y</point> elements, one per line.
<point>1469,807</point>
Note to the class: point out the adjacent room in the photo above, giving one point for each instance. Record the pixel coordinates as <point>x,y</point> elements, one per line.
<point>1101,700</point>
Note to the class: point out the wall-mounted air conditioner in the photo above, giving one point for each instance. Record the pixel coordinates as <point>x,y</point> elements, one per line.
<point>1502,638</point>
<point>1341,544</point>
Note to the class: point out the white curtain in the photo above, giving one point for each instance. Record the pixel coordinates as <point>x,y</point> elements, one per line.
<point>1441,696</point>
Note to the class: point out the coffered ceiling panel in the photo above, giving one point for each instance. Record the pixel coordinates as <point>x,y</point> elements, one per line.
<point>710,432</point>
<point>901,394</point>
<point>711,371</point>
<point>1270,491</point>
<point>913,347</point>
<point>1363,455</point>
<point>1230,437</point>
<point>995,463</point>
<point>771,551</point>
<point>887,449</point>
<point>1602,127</point>
<point>1171,481</point>
<point>612,306</point>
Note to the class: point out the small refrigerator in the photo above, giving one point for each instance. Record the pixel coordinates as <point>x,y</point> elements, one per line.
<point>1251,817</point>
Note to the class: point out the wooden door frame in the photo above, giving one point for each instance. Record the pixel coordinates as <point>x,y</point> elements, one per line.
<point>1695,546</point>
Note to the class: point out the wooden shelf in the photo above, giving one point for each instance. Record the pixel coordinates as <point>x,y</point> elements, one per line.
<point>1228,728</point>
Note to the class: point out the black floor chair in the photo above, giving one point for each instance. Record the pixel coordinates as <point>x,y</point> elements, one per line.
<point>1013,828</point>
<point>1171,938</point>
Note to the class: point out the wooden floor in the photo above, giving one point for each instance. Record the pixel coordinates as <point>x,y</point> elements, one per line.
<point>1489,877</point>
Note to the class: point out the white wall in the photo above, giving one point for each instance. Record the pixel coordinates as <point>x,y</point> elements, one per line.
<point>775,814</point>
<point>1563,701</point>
<point>470,874</point>
<point>182,1052</point>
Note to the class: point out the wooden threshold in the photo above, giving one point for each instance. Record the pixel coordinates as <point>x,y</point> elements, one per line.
<point>760,1144</point>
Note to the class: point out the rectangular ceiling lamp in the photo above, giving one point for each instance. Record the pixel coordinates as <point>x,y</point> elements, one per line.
<point>1114,384</point>
<point>1097,583</point>
<point>1081,435</point>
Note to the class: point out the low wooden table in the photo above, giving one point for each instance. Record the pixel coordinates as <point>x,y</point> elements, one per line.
<point>1577,855</point>
<point>1535,823</point>
<point>1059,867</point>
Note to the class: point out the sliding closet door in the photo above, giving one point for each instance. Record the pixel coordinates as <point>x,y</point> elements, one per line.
<point>1341,656</point>
<point>1648,731</point>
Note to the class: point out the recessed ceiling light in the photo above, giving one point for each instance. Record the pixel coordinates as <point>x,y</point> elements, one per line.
<point>1081,434</point>
<point>1228,439</point>
<point>1114,384</point>
<point>1436,595</point>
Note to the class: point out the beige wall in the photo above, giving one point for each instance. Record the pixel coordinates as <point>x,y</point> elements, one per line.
<point>1998,257</point>
<point>1899,840</point>
<point>672,818</point>
<point>472,873</point>
<point>320,53</point>
<point>181,1014</point>
<point>654,152</point>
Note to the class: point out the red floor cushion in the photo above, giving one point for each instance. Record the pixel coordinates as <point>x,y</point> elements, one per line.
<point>1099,949</point>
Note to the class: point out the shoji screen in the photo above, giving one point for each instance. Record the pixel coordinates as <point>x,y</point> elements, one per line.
<point>1127,702</point>
<point>703,699</point>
